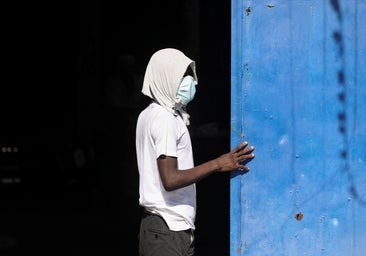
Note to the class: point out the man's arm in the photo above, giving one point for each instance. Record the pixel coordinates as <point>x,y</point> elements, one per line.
<point>172,178</point>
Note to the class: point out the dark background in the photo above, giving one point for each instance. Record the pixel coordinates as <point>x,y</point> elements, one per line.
<point>70,98</point>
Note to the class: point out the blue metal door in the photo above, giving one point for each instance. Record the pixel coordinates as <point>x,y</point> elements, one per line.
<point>299,96</point>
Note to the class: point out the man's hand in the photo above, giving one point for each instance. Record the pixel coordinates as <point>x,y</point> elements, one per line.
<point>236,158</point>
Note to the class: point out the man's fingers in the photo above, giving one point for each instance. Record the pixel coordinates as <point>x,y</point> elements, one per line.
<point>243,155</point>
<point>246,151</point>
<point>241,146</point>
<point>246,159</point>
<point>243,168</point>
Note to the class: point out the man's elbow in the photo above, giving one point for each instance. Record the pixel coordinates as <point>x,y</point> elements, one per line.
<point>169,186</point>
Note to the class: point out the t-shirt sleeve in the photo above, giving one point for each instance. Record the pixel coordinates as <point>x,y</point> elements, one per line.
<point>165,136</point>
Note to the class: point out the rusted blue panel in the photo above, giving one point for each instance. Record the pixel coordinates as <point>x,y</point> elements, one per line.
<point>299,96</point>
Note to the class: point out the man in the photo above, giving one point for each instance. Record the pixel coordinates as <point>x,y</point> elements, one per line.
<point>167,174</point>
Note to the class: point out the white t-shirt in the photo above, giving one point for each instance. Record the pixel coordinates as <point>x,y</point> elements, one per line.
<point>160,132</point>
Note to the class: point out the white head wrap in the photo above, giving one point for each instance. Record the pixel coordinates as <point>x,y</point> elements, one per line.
<point>163,75</point>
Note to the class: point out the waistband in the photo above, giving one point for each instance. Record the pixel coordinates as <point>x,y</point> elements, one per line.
<point>148,213</point>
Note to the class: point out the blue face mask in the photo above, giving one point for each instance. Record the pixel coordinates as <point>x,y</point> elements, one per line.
<point>187,89</point>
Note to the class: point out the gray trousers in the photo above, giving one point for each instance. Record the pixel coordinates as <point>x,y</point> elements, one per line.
<point>155,238</point>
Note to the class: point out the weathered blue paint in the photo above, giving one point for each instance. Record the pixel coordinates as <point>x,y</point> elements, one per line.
<point>299,96</point>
